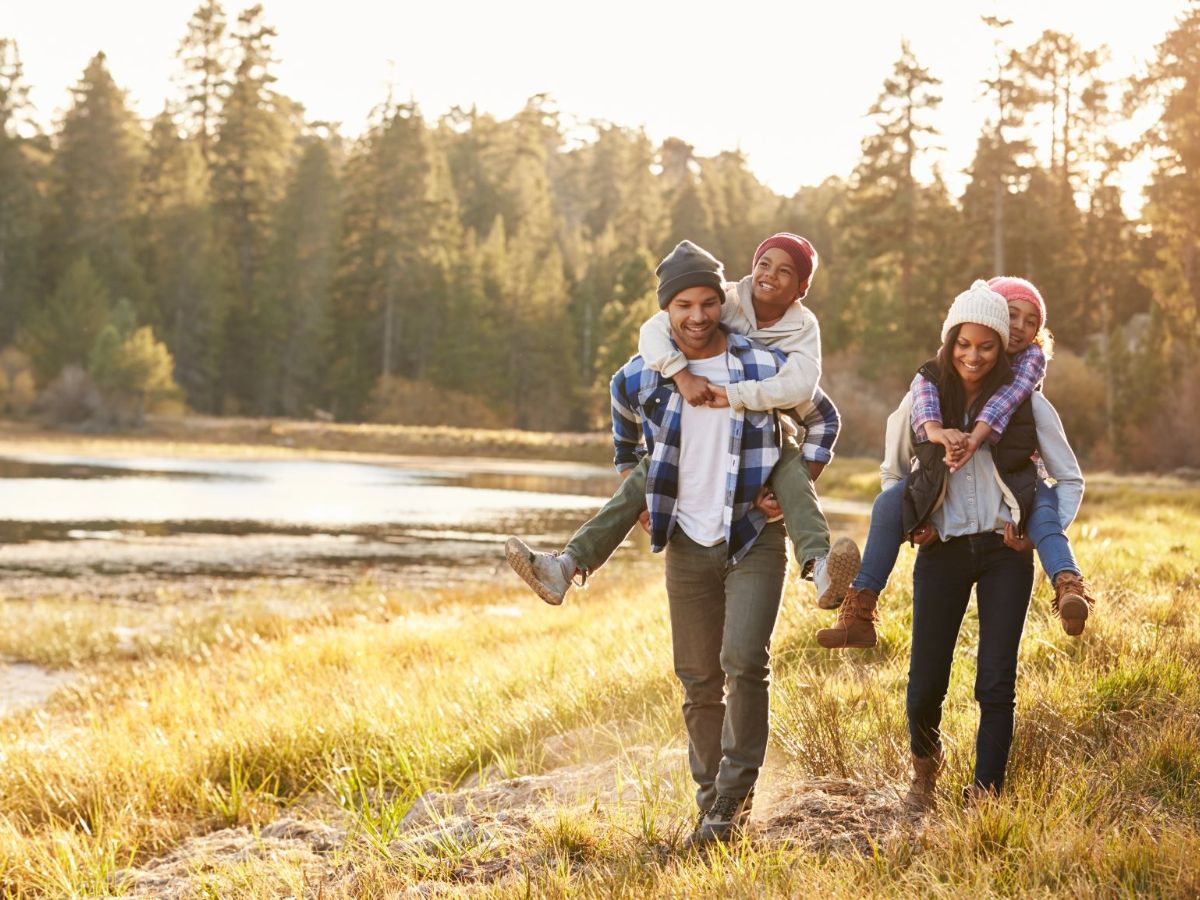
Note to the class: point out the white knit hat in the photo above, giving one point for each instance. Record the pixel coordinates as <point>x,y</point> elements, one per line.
<point>981,305</point>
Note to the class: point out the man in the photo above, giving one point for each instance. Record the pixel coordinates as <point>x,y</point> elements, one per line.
<point>725,563</point>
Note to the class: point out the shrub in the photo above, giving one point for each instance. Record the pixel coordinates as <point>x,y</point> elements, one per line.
<point>399,401</point>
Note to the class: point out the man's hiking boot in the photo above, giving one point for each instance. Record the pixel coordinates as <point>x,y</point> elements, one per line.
<point>723,823</point>
<point>1072,602</point>
<point>832,574</point>
<point>855,622</point>
<point>542,571</point>
<point>920,797</point>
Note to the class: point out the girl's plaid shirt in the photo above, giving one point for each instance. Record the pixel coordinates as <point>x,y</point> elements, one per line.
<point>1028,370</point>
<point>646,416</point>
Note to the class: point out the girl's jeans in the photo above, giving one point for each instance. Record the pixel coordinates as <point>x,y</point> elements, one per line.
<point>885,535</point>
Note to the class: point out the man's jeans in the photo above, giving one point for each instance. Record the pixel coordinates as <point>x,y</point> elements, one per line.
<point>599,537</point>
<point>942,579</point>
<point>886,534</point>
<point>722,617</point>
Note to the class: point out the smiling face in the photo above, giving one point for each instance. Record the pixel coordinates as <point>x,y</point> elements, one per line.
<point>776,281</point>
<point>695,315</point>
<point>975,352</point>
<point>1023,323</point>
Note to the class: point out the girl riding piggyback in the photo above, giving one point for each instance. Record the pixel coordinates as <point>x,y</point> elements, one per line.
<point>1029,349</point>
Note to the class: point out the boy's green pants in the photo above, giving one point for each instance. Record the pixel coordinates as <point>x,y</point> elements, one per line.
<point>599,537</point>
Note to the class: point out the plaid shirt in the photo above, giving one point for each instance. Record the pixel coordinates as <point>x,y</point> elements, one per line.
<point>1028,370</point>
<point>647,410</point>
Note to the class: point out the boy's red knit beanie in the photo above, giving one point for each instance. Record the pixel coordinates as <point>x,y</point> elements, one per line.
<point>803,254</point>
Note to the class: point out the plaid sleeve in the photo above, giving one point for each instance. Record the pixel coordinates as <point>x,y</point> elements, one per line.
<point>626,422</point>
<point>821,426</point>
<point>1028,370</point>
<point>926,405</point>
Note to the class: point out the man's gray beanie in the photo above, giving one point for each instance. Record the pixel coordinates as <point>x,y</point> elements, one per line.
<point>688,266</point>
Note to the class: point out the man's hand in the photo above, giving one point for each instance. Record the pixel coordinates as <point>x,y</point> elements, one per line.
<point>768,502</point>
<point>1020,544</point>
<point>644,520</point>
<point>815,469</point>
<point>926,534</point>
<point>720,397</point>
<point>695,389</point>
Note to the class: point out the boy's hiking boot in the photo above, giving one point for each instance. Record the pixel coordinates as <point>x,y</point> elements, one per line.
<point>1072,602</point>
<point>855,622</point>
<point>723,823</point>
<point>542,571</point>
<point>920,797</point>
<point>832,574</point>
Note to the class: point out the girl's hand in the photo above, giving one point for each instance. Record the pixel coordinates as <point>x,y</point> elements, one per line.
<point>644,520</point>
<point>1020,544</point>
<point>959,458</point>
<point>694,388</point>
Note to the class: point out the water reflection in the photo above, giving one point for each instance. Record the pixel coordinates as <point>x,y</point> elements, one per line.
<point>152,521</point>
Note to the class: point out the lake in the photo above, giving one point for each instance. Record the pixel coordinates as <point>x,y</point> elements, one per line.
<point>131,525</point>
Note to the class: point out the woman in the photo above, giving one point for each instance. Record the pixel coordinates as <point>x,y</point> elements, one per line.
<point>970,525</point>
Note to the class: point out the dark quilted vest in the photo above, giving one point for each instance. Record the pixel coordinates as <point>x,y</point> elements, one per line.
<point>1011,455</point>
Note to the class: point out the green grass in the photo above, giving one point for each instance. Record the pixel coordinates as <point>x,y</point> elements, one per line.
<point>350,704</point>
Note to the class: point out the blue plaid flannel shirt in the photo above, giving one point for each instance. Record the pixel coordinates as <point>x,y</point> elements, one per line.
<point>646,416</point>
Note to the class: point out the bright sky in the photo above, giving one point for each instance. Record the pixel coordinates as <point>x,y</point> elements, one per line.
<point>787,82</point>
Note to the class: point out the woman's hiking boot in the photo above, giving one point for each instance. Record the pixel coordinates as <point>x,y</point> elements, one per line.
<point>1072,602</point>
<point>926,769</point>
<point>855,622</point>
<point>723,823</point>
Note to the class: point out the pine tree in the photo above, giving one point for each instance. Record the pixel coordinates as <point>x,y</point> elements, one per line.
<point>893,221</point>
<point>252,156</point>
<point>183,260</point>
<point>94,187</point>
<point>1173,195</point>
<point>61,332</point>
<point>205,54</point>
<point>298,283</point>
<point>20,202</point>
<point>400,237</point>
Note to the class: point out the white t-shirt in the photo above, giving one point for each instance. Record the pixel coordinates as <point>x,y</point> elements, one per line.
<point>704,460</point>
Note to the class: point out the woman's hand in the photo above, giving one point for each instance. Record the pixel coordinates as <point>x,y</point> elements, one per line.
<point>926,534</point>
<point>1020,544</point>
<point>768,502</point>
<point>959,457</point>
<point>695,388</point>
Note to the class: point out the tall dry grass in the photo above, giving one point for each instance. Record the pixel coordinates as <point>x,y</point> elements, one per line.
<point>195,719</point>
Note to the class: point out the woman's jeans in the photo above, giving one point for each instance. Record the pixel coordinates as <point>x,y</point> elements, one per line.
<point>886,534</point>
<point>943,576</point>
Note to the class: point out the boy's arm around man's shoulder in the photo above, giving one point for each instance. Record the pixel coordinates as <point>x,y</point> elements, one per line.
<point>795,383</point>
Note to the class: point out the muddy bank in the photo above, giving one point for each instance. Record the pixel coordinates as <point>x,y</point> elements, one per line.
<point>23,685</point>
